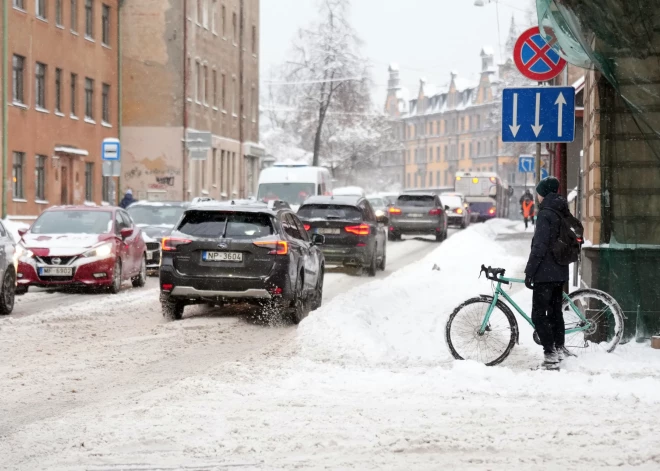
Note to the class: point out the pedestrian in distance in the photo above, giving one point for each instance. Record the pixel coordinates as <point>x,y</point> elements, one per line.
<point>547,270</point>
<point>528,211</point>
<point>127,200</point>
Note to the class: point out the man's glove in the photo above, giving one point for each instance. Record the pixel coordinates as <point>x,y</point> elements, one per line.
<point>529,282</point>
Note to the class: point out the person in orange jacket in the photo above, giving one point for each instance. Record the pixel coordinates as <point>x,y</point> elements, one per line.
<point>528,211</point>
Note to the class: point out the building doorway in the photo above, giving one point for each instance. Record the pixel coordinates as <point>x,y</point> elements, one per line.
<point>64,187</point>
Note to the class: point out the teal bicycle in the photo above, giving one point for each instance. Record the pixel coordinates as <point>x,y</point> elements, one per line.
<point>484,328</point>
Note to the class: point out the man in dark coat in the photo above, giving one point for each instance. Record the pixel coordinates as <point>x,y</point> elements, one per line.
<point>127,200</point>
<point>545,276</point>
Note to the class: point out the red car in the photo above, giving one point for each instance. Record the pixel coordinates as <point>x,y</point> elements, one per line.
<point>95,246</point>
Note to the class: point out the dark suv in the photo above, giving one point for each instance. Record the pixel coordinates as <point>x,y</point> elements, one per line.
<point>354,236</point>
<point>418,214</point>
<point>242,251</point>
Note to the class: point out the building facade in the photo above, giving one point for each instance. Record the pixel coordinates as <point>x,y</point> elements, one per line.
<point>194,70</point>
<point>62,102</point>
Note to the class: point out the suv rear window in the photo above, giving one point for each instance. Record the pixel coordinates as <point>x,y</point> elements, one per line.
<point>416,200</point>
<point>330,211</point>
<point>214,224</point>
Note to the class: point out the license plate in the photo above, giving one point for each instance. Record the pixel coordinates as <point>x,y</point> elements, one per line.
<point>222,257</point>
<point>150,256</point>
<point>327,231</point>
<point>415,215</point>
<point>55,271</point>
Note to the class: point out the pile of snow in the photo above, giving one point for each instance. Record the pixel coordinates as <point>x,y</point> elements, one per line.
<point>13,227</point>
<point>400,320</point>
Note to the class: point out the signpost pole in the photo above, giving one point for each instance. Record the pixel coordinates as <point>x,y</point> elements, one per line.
<point>538,156</point>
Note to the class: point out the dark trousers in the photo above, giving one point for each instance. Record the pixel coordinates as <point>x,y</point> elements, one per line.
<point>527,220</point>
<point>547,315</point>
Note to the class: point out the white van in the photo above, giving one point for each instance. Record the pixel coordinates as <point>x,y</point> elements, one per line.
<point>293,183</point>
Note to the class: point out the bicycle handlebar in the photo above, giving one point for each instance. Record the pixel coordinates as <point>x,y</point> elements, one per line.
<point>492,274</point>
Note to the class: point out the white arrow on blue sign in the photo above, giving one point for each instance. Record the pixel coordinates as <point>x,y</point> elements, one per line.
<point>526,164</point>
<point>538,114</point>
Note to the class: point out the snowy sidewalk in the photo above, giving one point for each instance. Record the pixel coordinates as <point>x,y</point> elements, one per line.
<point>367,382</point>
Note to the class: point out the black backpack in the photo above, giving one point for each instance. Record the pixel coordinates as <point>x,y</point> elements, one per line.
<point>569,242</point>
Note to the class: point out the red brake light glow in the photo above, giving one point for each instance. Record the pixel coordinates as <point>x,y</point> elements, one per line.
<point>307,227</point>
<point>170,244</point>
<point>360,230</point>
<point>435,212</point>
<point>395,211</point>
<point>280,247</point>
<point>167,287</point>
<point>491,211</point>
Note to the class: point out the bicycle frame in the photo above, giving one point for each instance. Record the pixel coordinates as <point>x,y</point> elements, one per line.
<point>500,292</point>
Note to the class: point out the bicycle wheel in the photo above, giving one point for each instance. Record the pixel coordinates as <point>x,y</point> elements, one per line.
<point>491,347</point>
<point>603,313</point>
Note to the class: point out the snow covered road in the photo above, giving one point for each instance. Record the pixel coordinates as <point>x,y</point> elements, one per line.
<point>366,382</point>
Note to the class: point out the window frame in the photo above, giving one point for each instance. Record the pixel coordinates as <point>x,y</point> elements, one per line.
<point>73,86</point>
<point>40,75</point>
<point>105,103</point>
<point>73,13</point>
<point>89,181</point>
<point>18,179</point>
<point>58,14</point>
<point>89,98</point>
<point>89,19</point>
<point>18,4</point>
<point>58,90</point>
<point>105,24</point>
<point>18,79</point>
<point>41,9</point>
<point>40,177</point>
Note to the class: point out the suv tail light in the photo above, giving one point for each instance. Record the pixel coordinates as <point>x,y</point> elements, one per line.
<point>361,230</point>
<point>170,244</point>
<point>279,247</point>
<point>395,211</point>
<point>307,227</point>
<point>435,212</point>
<point>491,211</point>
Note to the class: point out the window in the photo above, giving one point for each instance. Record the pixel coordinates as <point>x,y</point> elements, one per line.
<point>462,151</point>
<point>431,154</point>
<point>430,178</point>
<point>214,165</point>
<point>89,180</point>
<point>40,177</point>
<point>40,9</point>
<point>224,92</point>
<point>105,116</point>
<point>234,95</point>
<point>234,26</point>
<point>206,85</point>
<point>254,39</point>
<point>58,90</point>
<point>40,85</point>
<point>446,157</point>
<point>89,19</point>
<point>106,192</point>
<point>89,98</point>
<point>478,122</point>
<point>205,14</point>
<point>198,17</point>
<point>214,14</point>
<point>198,83</point>
<point>105,25</point>
<point>437,154</point>
<point>215,88</point>
<point>58,12</point>
<point>254,103</point>
<point>18,79</point>
<point>290,226</point>
<point>437,178</point>
<point>17,175</point>
<point>19,4</point>
<point>74,15</point>
<point>478,148</point>
<point>224,21</point>
<point>74,91</point>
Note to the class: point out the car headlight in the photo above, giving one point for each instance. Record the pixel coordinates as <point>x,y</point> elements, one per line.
<point>101,251</point>
<point>22,253</point>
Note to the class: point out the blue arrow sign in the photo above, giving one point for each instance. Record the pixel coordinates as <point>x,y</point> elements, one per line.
<point>538,114</point>
<point>526,164</point>
<point>544,173</point>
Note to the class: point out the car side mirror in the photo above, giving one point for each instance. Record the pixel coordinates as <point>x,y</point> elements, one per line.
<point>318,239</point>
<point>126,232</point>
<point>383,219</point>
<point>446,207</point>
<point>22,232</point>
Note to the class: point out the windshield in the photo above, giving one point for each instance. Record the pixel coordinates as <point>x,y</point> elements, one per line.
<point>377,202</point>
<point>416,200</point>
<point>73,222</point>
<point>292,193</point>
<point>155,215</point>
<point>452,201</point>
<point>213,224</point>
<point>330,211</point>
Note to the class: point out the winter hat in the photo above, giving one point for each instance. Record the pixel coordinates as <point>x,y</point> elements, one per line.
<point>129,192</point>
<point>547,185</point>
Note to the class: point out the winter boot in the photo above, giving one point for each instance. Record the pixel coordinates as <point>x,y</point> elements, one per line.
<point>563,353</point>
<point>551,361</point>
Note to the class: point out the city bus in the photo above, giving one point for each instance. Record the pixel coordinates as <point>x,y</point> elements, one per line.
<point>486,193</point>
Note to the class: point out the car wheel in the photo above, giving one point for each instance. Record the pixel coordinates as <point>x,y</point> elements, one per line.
<point>383,261</point>
<point>141,280</point>
<point>8,293</point>
<point>115,287</point>
<point>21,290</point>
<point>438,237</point>
<point>172,310</point>
<point>300,307</point>
<point>463,224</point>
<point>318,293</point>
<point>373,264</point>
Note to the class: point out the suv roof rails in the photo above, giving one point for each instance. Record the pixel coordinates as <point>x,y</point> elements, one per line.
<point>202,199</point>
<point>278,204</point>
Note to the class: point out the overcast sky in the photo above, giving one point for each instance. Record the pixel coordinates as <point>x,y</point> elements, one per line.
<point>427,38</point>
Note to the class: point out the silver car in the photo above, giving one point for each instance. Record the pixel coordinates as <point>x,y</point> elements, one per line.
<point>8,270</point>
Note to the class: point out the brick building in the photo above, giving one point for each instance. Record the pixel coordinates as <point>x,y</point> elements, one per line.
<point>190,70</point>
<point>62,101</point>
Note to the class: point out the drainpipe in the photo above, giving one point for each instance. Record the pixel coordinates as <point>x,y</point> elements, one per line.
<point>5,104</point>
<point>184,160</point>
<point>120,107</point>
<point>241,93</point>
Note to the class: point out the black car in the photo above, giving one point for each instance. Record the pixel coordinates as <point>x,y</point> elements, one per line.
<point>418,214</point>
<point>156,219</point>
<point>354,236</point>
<point>242,251</point>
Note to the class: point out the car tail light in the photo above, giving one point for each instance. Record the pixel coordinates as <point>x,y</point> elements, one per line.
<point>361,230</point>
<point>435,212</point>
<point>276,291</point>
<point>459,211</point>
<point>170,244</point>
<point>395,211</point>
<point>491,211</point>
<point>279,247</point>
<point>167,287</point>
<point>307,227</point>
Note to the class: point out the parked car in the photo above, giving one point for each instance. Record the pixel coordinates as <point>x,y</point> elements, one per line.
<point>354,236</point>
<point>82,246</point>
<point>418,214</point>
<point>156,219</point>
<point>459,210</point>
<point>8,268</point>
<point>242,251</point>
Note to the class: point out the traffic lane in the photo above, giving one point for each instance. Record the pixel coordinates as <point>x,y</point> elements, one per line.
<point>399,254</point>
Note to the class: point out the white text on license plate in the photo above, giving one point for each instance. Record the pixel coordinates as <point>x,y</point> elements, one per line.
<point>223,257</point>
<point>326,231</point>
<point>55,271</point>
<point>415,215</point>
